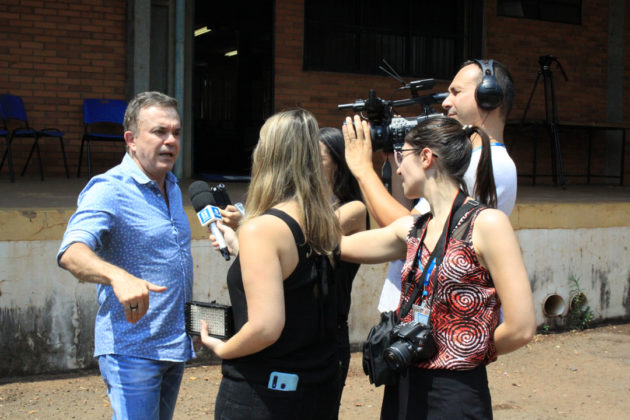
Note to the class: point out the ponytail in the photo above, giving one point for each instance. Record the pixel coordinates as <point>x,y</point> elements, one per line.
<point>485,187</point>
<point>451,141</point>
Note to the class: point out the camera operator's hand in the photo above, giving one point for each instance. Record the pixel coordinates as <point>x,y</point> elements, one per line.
<point>231,240</point>
<point>380,203</point>
<point>358,146</point>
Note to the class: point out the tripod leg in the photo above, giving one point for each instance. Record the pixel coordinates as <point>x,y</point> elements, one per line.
<point>556,132</point>
<point>557,156</point>
<point>535,138</point>
<point>534,162</point>
<point>552,121</point>
<point>552,146</point>
<point>531,95</point>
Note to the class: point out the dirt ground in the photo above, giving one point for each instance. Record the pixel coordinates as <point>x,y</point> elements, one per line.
<point>577,374</point>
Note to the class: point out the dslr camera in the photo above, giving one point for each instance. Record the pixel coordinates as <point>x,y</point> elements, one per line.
<point>387,130</point>
<point>412,343</point>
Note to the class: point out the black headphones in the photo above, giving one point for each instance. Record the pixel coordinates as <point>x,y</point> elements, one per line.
<point>488,94</point>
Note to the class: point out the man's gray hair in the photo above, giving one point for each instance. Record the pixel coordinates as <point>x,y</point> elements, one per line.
<point>145,100</point>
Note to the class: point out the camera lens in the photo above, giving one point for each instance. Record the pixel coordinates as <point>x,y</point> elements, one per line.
<point>398,356</point>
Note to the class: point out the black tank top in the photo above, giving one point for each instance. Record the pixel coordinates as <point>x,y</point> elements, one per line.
<point>307,344</point>
<point>345,272</point>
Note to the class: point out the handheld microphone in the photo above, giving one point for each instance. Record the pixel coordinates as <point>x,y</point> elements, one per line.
<point>222,199</point>
<point>203,201</point>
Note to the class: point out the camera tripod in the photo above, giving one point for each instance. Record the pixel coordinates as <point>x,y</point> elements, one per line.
<point>551,114</point>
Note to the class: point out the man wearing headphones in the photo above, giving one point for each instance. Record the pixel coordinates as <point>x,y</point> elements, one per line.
<point>481,94</point>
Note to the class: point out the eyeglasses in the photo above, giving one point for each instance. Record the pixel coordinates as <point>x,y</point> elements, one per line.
<point>399,157</point>
<point>398,154</point>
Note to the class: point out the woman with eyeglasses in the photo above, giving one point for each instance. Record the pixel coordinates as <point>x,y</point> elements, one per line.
<point>282,361</point>
<point>458,294</point>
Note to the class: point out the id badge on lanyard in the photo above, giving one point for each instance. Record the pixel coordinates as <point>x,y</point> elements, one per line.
<point>422,312</point>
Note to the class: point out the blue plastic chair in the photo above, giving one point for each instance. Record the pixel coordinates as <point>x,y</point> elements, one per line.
<point>15,122</point>
<point>102,121</point>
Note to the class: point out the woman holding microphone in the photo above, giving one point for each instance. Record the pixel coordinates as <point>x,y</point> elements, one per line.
<point>282,361</point>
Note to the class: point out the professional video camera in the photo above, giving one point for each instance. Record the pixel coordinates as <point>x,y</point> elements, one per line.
<point>387,130</point>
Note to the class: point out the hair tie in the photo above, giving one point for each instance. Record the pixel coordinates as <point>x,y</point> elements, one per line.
<point>469,130</point>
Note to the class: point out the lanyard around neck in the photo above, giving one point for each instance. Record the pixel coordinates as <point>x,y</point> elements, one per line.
<point>434,259</point>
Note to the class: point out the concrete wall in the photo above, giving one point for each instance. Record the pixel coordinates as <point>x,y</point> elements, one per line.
<point>592,256</point>
<point>47,316</point>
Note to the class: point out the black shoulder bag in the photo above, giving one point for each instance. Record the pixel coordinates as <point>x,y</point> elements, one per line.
<point>381,335</point>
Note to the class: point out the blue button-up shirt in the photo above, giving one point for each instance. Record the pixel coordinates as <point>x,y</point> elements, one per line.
<point>123,217</point>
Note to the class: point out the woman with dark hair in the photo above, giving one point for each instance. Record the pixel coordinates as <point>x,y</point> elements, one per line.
<point>345,187</point>
<point>457,295</point>
<point>282,361</point>
<point>353,217</point>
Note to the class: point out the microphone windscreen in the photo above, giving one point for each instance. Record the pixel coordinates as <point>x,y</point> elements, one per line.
<point>197,187</point>
<point>200,195</point>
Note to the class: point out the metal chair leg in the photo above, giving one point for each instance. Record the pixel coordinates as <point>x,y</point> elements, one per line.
<point>63,153</point>
<point>10,160</point>
<point>39,159</point>
<point>80,157</point>
<point>9,155</point>
<point>28,159</point>
<point>89,160</point>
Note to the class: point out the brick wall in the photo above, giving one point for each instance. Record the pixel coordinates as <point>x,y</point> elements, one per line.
<point>518,43</point>
<point>54,54</point>
<point>582,51</point>
<point>319,92</point>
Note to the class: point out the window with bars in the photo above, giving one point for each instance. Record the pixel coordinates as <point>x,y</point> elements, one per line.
<point>566,11</point>
<point>418,38</point>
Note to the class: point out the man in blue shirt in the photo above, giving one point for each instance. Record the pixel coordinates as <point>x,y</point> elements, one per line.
<point>130,235</point>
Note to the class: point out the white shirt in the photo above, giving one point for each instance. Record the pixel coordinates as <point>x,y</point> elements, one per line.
<point>390,295</point>
<point>504,172</point>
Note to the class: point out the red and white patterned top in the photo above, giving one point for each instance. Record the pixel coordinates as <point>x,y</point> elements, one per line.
<point>466,307</point>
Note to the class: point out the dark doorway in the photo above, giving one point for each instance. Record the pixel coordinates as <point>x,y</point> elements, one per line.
<point>232,90</point>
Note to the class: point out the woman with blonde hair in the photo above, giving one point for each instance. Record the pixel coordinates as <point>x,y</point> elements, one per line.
<point>281,284</point>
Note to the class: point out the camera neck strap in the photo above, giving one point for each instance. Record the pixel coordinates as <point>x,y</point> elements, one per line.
<point>434,260</point>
